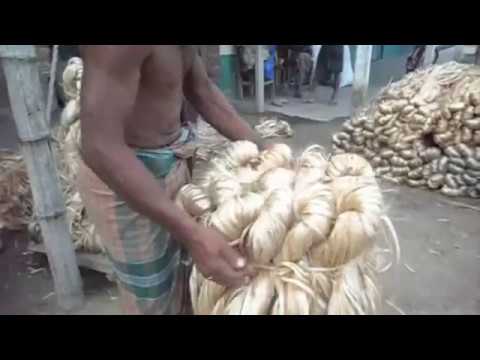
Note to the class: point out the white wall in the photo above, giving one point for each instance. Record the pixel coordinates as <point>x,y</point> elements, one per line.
<point>227,50</point>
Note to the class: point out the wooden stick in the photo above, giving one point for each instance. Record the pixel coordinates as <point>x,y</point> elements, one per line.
<point>20,64</point>
<point>51,84</point>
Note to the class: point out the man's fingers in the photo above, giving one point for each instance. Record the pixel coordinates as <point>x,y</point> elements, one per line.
<point>239,263</point>
<point>233,258</point>
<point>229,277</point>
<point>250,272</point>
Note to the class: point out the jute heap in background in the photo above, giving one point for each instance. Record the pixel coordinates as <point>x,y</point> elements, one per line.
<point>423,130</point>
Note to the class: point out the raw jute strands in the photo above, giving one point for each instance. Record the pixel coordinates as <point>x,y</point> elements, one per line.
<point>311,226</point>
<point>423,130</point>
<point>210,142</point>
<point>67,137</point>
<point>15,195</point>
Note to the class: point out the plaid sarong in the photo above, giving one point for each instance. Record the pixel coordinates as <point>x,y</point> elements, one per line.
<point>150,267</point>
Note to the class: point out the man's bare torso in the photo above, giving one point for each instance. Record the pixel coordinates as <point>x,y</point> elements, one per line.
<point>155,118</point>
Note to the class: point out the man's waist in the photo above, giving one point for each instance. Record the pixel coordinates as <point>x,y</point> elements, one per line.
<point>160,161</point>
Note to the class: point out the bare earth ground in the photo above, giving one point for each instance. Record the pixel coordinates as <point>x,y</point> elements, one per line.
<point>439,271</point>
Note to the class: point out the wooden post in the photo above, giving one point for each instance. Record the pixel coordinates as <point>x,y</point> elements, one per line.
<point>51,84</point>
<point>260,80</point>
<point>21,68</point>
<point>361,76</point>
<point>429,55</point>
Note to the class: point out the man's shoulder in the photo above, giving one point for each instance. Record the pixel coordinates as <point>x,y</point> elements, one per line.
<point>116,55</point>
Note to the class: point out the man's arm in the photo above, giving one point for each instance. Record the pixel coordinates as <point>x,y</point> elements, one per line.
<point>110,85</point>
<point>215,108</point>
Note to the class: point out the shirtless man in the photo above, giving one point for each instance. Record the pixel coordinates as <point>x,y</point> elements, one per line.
<point>134,149</point>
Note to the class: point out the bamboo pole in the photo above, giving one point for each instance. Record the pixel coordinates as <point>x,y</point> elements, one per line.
<point>21,68</point>
<point>361,76</point>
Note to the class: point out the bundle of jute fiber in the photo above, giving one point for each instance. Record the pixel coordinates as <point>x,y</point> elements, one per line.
<point>272,128</point>
<point>16,198</point>
<point>15,193</point>
<point>423,130</point>
<point>68,137</point>
<point>210,142</point>
<point>311,227</point>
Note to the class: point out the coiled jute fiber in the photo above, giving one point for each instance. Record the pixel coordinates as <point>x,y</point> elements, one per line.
<point>423,130</point>
<point>312,227</point>
<point>15,196</point>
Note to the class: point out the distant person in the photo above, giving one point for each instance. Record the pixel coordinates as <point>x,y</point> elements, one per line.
<point>301,62</point>
<point>329,68</point>
<point>417,59</point>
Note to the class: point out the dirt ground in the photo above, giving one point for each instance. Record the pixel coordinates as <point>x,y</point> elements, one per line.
<point>439,272</point>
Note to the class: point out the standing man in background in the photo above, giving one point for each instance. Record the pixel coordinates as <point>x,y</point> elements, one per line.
<point>329,69</point>
<point>302,62</point>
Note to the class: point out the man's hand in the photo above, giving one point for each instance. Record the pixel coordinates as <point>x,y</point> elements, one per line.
<point>217,260</point>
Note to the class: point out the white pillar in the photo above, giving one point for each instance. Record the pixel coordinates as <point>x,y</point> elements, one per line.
<point>459,52</point>
<point>259,80</point>
<point>429,55</point>
<point>361,76</point>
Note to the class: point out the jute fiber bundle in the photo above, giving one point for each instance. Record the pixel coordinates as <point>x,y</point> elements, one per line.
<point>68,137</point>
<point>423,130</point>
<point>210,142</point>
<point>311,227</point>
<point>15,195</point>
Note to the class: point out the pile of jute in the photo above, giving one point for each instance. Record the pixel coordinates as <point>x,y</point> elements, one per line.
<point>15,195</point>
<point>314,228</point>
<point>423,130</point>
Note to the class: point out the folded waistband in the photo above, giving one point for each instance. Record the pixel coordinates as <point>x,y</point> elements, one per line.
<point>162,160</point>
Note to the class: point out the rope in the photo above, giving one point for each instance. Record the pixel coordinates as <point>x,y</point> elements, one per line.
<point>51,84</point>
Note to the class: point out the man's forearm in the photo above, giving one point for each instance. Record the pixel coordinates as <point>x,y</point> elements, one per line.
<point>218,112</point>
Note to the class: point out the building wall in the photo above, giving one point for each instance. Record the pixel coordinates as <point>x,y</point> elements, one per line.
<point>397,50</point>
<point>389,51</point>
